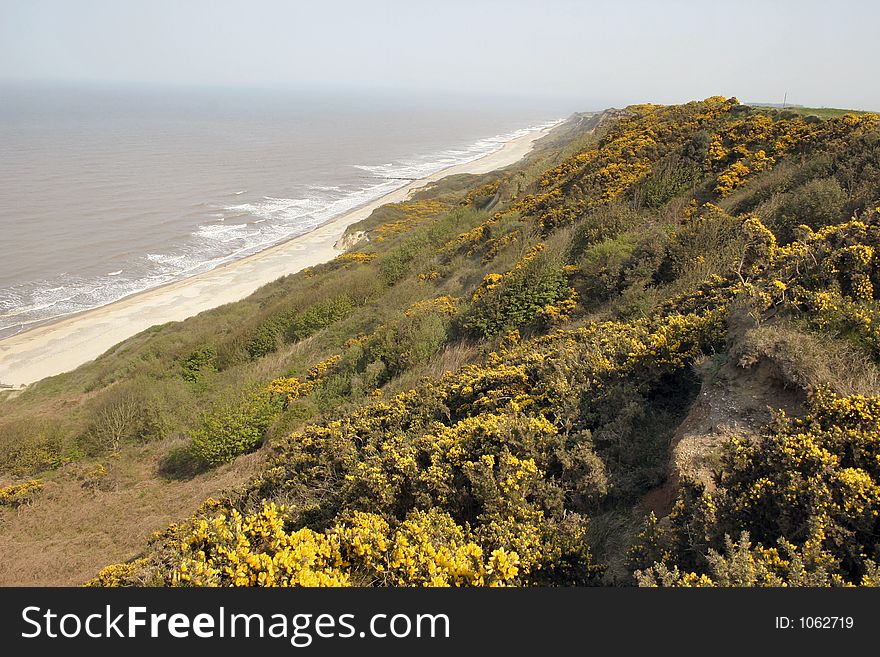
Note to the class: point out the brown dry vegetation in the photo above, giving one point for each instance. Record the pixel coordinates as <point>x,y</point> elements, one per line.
<point>81,519</point>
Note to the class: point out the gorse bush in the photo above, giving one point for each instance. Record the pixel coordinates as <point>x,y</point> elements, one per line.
<point>536,289</point>
<point>239,426</point>
<point>824,472</point>
<point>18,494</point>
<point>426,549</point>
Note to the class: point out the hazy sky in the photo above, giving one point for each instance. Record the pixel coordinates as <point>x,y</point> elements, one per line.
<point>594,53</point>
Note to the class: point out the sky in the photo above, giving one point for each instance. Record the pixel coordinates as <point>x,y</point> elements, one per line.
<point>597,54</point>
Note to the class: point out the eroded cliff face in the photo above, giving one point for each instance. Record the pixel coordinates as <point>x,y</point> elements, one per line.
<point>733,401</point>
<point>350,240</point>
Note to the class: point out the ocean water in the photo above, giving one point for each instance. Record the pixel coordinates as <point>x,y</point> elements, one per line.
<point>106,192</point>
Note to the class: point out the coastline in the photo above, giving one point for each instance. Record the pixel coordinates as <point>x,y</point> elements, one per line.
<point>67,343</point>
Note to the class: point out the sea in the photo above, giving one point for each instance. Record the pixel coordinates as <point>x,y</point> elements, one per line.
<point>110,190</point>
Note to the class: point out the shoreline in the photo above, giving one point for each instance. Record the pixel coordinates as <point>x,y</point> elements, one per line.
<point>66,343</point>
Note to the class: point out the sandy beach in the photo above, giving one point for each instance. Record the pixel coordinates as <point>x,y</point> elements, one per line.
<point>64,345</point>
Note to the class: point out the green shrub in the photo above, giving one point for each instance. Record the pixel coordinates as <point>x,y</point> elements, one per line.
<point>29,445</point>
<point>317,317</point>
<point>669,180</point>
<point>199,362</point>
<point>264,340</point>
<point>817,203</point>
<point>230,429</point>
<point>293,326</point>
<point>605,222</point>
<point>601,266</point>
<point>396,263</point>
<point>517,300</point>
<point>409,342</point>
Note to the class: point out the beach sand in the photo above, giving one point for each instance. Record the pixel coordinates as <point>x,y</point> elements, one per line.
<point>66,344</point>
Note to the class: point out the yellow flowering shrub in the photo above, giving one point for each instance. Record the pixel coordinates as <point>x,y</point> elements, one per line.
<point>483,194</point>
<point>116,575</point>
<point>320,370</point>
<point>291,388</point>
<point>18,494</point>
<point>747,146</point>
<point>470,240</point>
<point>489,283</point>
<point>260,549</point>
<point>443,305</point>
<point>358,257</point>
<point>624,156</point>
<point>561,311</point>
<point>405,216</point>
<point>830,274</point>
<point>731,178</point>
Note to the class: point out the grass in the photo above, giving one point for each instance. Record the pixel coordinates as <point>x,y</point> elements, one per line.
<point>821,112</point>
<point>71,530</point>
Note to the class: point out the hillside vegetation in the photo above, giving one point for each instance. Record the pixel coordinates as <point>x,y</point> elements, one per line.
<point>647,354</point>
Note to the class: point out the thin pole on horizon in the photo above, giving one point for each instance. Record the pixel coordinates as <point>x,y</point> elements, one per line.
<point>784,99</point>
